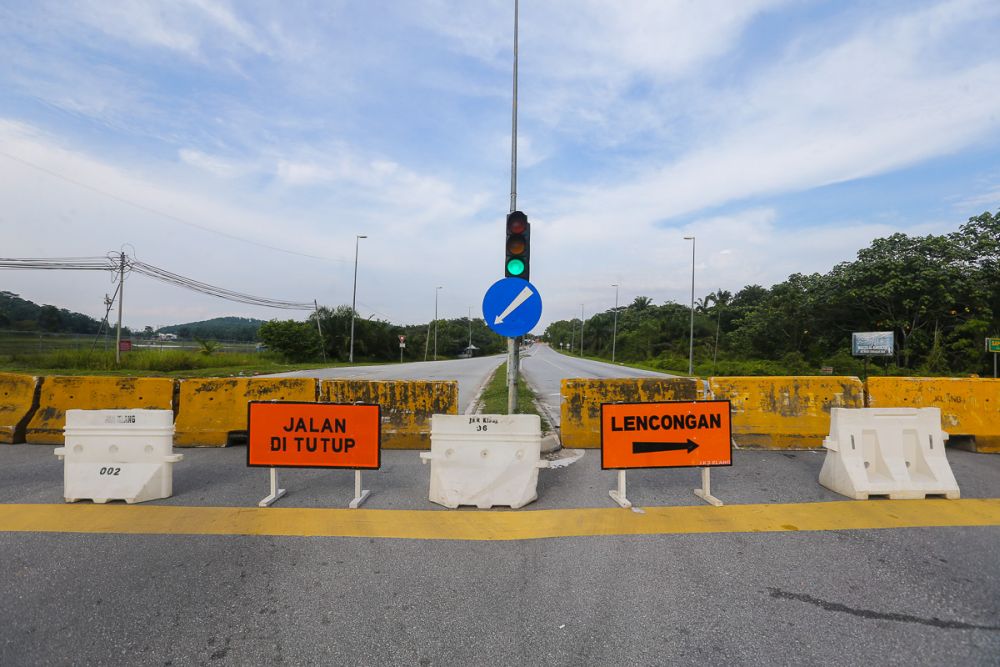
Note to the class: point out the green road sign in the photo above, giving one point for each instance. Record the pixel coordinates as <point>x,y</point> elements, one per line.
<point>993,345</point>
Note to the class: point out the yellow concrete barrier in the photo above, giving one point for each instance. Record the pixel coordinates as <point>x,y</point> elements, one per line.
<point>208,409</point>
<point>969,406</point>
<point>580,415</point>
<point>785,412</point>
<point>17,396</point>
<point>61,393</point>
<point>407,406</point>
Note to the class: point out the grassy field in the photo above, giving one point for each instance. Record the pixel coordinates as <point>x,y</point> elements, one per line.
<point>147,363</point>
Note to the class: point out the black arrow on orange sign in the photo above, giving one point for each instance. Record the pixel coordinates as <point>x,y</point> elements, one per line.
<point>654,447</point>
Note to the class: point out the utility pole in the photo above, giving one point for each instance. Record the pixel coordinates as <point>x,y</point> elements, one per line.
<point>513,349</point>
<point>121,299</point>
<point>322,345</point>
<point>354,294</point>
<point>691,338</point>
<point>614,331</point>
<point>581,331</point>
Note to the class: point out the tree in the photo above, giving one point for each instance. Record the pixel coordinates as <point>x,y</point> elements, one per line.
<point>49,318</point>
<point>296,341</point>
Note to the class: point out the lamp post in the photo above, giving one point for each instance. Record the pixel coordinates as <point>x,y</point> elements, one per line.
<point>354,295</point>
<point>436,290</point>
<point>581,330</point>
<point>470,332</point>
<point>691,336</point>
<point>614,330</point>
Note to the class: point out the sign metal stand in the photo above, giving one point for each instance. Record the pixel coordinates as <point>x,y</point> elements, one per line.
<point>705,492</point>
<point>275,491</point>
<point>359,495</point>
<point>300,434</point>
<point>618,495</point>
<point>670,434</point>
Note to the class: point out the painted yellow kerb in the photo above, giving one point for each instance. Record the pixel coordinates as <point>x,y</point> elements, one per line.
<point>16,395</point>
<point>580,414</point>
<point>407,406</point>
<point>61,393</point>
<point>497,525</point>
<point>785,412</point>
<point>208,409</point>
<point>969,406</point>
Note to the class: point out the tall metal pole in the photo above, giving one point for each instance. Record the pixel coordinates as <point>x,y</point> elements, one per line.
<point>121,298</point>
<point>436,290</point>
<point>614,331</point>
<point>319,328</point>
<point>581,330</point>
<point>513,349</point>
<point>470,331</point>
<point>691,336</point>
<point>354,296</point>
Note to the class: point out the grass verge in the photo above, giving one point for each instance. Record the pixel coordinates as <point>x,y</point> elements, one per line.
<point>494,398</point>
<point>149,363</point>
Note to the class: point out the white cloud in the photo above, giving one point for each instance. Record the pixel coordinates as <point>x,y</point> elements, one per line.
<point>868,106</point>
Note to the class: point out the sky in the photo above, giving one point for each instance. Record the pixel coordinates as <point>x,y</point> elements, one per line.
<point>247,144</point>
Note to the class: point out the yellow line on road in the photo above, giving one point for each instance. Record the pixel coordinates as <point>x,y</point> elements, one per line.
<point>498,525</point>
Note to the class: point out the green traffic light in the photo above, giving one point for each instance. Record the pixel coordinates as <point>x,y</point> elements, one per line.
<point>515,267</point>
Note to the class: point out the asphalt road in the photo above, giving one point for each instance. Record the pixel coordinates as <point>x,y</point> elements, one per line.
<point>544,369</point>
<point>471,374</point>
<point>915,596</point>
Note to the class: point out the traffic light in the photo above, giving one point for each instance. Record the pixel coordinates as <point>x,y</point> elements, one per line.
<point>518,248</point>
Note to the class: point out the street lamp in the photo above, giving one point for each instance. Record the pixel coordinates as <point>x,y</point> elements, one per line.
<point>691,336</point>
<point>614,331</point>
<point>436,289</point>
<point>581,330</point>
<point>354,296</point>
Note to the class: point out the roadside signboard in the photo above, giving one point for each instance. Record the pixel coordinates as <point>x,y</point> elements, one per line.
<point>872,343</point>
<point>124,346</point>
<point>993,345</point>
<point>671,434</point>
<point>512,307</point>
<point>314,435</point>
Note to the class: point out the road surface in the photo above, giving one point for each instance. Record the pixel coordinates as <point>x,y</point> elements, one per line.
<point>544,369</point>
<point>108,594</point>
<point>471,374</point>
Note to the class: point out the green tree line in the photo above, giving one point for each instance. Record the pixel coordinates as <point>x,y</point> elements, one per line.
<point>21,315</point>
<point>939,295</point>
<point>374,340</point>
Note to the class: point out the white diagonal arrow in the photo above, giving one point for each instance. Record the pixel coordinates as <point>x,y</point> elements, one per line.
<point>518,300</point>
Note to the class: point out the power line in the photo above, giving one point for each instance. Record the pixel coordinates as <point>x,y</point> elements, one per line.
<point>111,263</point>
<point>170,278</point>
<point>59,263</point>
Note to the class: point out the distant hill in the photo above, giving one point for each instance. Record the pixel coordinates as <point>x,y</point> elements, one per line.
<point>219,328</point>
<point>23,315</point>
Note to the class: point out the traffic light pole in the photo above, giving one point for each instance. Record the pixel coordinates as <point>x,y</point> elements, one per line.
<point>513,349</point>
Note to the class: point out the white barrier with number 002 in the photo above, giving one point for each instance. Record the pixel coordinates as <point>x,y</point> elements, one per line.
<point>118,455</point>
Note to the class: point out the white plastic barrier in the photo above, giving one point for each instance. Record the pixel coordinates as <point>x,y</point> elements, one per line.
<point>895,452</point>
<point>118,454</point>
<point>484,460</point>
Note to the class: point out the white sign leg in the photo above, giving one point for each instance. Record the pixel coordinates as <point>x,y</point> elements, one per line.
<point>618,495</point>
<point>359,495</point>
<point>705,492</point>
<point>275,491</point>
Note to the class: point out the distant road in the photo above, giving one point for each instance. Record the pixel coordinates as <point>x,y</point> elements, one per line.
<point>544,369</point>
<point>471,374</point>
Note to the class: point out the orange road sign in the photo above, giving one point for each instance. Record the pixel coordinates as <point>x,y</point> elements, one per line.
<point>670,434</point>
<point>314,435</point>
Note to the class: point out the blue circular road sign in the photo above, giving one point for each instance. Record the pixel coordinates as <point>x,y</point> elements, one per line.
<point>512,307</point>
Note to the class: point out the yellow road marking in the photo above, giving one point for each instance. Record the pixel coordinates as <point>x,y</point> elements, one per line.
<point>504,525</point>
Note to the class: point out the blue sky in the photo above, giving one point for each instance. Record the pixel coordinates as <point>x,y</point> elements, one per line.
<point>784,135</point>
